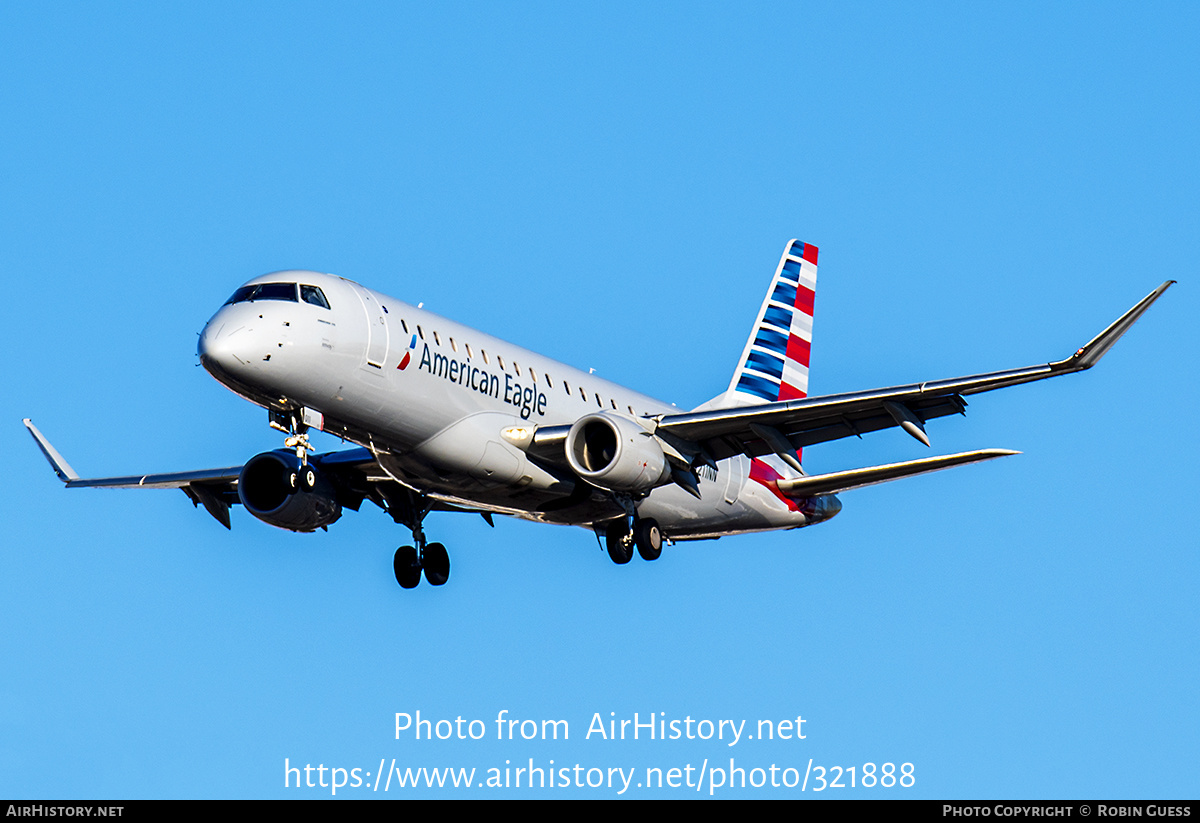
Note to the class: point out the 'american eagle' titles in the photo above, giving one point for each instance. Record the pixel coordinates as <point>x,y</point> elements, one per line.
<point>527,398</point>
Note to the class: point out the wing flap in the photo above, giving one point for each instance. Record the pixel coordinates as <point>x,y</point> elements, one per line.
<point>213,502</point>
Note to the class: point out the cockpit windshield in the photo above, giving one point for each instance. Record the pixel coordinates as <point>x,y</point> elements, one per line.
<point>279,291</point>
<point>264,291</point>
<point>312,294</point>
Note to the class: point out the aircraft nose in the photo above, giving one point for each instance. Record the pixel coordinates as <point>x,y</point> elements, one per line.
<point>218,348</point>
<point>209,347</point>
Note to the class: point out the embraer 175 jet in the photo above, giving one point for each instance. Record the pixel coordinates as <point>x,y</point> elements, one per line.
<point>450,419</point>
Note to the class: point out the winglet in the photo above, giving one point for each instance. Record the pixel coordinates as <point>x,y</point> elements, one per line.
<point>61,467</point>
<point>1091,353</point>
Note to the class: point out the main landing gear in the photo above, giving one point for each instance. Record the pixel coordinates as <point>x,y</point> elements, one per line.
<point>410,561</point>
<point>620,539</point>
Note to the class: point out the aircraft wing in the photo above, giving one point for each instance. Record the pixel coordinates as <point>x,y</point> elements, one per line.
<point>772,427</point>
<point>175,480</point>
<point>783,427</point>
<point>355,472</point>
<point>215,489</point>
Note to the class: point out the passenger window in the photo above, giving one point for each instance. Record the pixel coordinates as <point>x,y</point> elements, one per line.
<point>313,295</point>
<point>517,368</point>
<point>500,360</point>
<point>468,345</point>
<point>453,347</point>
<point>404,325</point>
<point>437,340</point>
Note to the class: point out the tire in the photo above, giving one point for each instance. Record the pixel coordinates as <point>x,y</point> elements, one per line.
<point>407,566</point>
<point>308,478</point>
<point>648,538</point>
<point>436,563</point>
<point>619,548</point>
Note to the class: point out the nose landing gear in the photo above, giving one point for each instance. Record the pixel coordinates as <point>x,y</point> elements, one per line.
<point>292,423</point>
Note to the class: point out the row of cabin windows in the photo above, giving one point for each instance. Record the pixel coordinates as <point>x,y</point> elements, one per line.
<point>314,295</point>
<point>437,339</point>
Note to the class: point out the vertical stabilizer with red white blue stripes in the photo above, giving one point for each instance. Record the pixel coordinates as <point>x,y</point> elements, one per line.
<point>774,364</point>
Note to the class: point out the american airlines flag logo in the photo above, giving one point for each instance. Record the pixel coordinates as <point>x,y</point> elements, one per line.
<point>407,358</point>
<point>775,366</point>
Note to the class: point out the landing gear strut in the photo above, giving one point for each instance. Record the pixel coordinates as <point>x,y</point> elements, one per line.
<point>409,510</point>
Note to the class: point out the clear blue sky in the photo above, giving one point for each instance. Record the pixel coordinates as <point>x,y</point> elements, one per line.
<point>989,186</point>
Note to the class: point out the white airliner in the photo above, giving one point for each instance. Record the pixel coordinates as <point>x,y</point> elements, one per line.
<point>448,418</point>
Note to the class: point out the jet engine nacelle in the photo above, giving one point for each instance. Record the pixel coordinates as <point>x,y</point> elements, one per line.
<point>616,453</point>
<point>272,488</point>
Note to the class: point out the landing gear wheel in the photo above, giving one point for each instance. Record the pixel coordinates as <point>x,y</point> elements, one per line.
<point>619,544</point>
<point>308,478</point>
<point>648,538</point>
<point>408,567</point>
<point>436,562</point>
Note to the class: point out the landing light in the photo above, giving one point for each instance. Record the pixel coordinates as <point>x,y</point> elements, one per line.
<point>519,436</point>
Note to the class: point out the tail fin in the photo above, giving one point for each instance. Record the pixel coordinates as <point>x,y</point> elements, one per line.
<point>774,363</point>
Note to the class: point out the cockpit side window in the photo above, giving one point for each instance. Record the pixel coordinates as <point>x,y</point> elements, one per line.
<point>264,291</point>
<point>314,295</point>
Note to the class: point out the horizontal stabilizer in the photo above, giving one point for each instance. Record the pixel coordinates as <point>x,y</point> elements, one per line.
<point>856,478</point>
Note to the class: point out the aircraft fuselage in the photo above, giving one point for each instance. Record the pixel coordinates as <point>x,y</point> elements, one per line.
<point>432,399</point>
